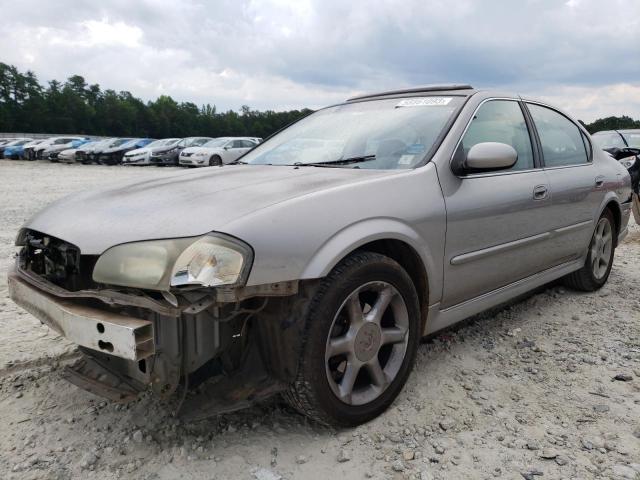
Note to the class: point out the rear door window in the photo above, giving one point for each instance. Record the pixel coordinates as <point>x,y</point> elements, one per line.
<point>561,139</point>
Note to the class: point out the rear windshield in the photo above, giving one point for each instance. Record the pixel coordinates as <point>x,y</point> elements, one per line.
<point>381,134</point>
<point>632,138</point>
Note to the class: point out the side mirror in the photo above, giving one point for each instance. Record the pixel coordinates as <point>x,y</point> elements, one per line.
<point>490,156</point>
<point>227,147</point>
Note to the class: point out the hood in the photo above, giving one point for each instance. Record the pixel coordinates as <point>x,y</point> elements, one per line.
<point>184,204</point>
<point>193,150</point>
<point>138,151</point>
<point>57,148</point>
<point>164,149</point>
<point>120,148</point>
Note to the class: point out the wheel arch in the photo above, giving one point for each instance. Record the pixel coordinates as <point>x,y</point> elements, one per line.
<point>611,203</point>
<point>393,239</point>
<point>410,260</point>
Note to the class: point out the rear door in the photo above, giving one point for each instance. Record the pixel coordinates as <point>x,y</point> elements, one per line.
<point>577,185</point>
<point>497,222</point>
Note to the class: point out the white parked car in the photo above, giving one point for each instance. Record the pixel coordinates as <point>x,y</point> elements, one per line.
<point>142,156</point>
<point>218,151</point>
<point>69,155</point>
<point>52,151</point>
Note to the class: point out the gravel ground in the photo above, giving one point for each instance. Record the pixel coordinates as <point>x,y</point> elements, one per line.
<point>528,391</point>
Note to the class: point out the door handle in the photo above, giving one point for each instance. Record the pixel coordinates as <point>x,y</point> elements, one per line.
<point>540,192</point>
<point>599,181</point>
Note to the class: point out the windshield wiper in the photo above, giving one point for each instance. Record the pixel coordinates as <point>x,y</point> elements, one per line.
<point>338,161</point>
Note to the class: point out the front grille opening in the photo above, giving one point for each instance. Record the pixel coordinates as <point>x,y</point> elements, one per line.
<point>58,261</point>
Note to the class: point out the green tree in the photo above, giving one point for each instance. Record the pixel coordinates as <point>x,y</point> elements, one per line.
<point>612,123</point>
<point>77,107</point>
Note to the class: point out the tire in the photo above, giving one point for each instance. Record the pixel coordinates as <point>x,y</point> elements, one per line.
<point>215,161</point>
<point>360,278</point>
<point>635,207</point>
<point>597,267</point>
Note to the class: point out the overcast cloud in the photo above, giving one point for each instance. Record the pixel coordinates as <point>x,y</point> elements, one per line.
<point>583,55</point>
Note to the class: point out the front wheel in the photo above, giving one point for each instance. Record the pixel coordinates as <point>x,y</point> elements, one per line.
<point>597,267</point>
<point>215,161</point>
<point>363,330</point>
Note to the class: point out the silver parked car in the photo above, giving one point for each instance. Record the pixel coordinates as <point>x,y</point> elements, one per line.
<point>313,266</point>
<point>216,152</point>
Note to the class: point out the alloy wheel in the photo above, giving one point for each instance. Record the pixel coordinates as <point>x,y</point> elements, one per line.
<point>601,246</point>
<point>367,343</point>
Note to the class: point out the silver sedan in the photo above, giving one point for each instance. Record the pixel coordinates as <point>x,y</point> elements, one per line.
<point>313,265</point>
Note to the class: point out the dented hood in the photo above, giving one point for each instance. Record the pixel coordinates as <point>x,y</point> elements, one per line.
<point>184,204</point>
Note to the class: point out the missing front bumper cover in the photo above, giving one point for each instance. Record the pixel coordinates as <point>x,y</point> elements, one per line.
<point>101,330</point>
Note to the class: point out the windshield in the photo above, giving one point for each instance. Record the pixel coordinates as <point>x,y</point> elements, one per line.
<point>196,141</point>
<point>134,142</point>
<point>608,140</point>
<point>157,143</point>
<point>382,134</point>
<point>18,143</point>
<point>218,142</point>
<point>632,138</point>
<point>162,143</point>
<point>120,141</point>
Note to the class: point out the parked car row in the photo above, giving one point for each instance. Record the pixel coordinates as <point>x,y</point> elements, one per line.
<point>190,151</point>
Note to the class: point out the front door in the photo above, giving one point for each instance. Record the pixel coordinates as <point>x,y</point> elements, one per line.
<point>497,226</point>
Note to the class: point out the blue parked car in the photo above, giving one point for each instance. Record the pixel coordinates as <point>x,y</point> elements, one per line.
<point>14,149</point>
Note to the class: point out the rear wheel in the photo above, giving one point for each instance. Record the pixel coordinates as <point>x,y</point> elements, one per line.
<point>597,267</point>
<point>635,207</point>
<point>363,329</point>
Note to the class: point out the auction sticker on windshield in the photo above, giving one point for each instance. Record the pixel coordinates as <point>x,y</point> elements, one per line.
<point>424,102</point>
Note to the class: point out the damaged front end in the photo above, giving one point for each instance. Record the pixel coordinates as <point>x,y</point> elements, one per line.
<point>240,344</point>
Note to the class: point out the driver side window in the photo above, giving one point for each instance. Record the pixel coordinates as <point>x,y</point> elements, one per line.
<point>501,121</point>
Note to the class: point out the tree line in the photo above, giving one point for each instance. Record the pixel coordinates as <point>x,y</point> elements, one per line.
<point>77,107</point>
<point>612,123</point>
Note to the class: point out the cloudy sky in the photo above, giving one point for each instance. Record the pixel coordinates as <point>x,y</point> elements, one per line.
<point>583,55</point>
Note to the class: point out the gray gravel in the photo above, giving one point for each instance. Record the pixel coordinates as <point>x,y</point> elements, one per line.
<point>547,388</point>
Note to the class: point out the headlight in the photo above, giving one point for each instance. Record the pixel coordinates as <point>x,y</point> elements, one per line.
<point>209,261</point>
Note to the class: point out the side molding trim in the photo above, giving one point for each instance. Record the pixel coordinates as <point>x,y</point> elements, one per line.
<point>503,247</point>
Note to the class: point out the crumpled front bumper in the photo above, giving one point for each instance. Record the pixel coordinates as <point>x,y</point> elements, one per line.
<point>97,329</point>
<point>163,160</point>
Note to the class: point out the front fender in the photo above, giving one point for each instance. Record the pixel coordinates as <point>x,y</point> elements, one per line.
<point>361,233</point>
